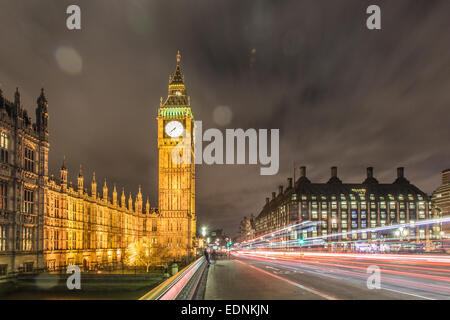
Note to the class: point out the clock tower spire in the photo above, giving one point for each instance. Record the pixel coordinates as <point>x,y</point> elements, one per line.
<point>176,178</point>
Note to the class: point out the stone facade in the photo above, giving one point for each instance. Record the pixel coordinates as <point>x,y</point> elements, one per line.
<point>341,208</point>
<point>441,201</point>
<point>48,224</point>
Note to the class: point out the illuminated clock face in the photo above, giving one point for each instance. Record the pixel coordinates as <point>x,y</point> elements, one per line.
<point>174,129</point>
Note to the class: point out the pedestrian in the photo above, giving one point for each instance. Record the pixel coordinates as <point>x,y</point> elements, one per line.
<point>206,253</point>
<point>214,256</point>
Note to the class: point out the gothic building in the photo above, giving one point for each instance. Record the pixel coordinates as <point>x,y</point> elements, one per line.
<point>23,180</point>
<point>177,168</point>
<point>48,223</point>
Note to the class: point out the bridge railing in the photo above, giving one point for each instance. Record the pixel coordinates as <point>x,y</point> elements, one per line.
<point>181,286</point>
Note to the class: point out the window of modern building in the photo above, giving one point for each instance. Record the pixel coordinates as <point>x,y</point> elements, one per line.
<point>28,201</point>
<point>29,159</point>
<point>363,214</point>
<point>392,214</point>
<point>421,233</point>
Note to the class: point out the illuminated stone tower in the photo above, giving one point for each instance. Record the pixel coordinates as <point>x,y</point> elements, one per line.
<point>176,169</point>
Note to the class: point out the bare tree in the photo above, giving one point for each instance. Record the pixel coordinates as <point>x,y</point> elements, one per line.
<point>145,253</point>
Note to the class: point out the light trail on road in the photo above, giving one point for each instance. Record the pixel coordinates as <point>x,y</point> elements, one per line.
<point>421,276</point>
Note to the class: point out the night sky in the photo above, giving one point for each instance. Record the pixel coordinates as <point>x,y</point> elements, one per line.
<point>339,93</point>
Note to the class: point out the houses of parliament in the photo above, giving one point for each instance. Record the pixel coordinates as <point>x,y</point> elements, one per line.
<point>48,223</point>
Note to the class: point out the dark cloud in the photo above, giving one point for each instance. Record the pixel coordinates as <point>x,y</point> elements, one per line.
<point>340,94</point>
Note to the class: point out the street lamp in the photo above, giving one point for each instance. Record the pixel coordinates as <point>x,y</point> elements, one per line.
<point>203,231</point>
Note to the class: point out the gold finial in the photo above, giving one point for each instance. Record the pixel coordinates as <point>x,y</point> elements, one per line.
<point>178,57</point>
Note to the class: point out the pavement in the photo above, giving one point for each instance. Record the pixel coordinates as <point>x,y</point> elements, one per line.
<point>246,277</point>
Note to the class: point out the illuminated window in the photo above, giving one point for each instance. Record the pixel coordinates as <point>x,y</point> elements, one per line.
<point>27,239</point>
<point>422,234</point>
<point>28,201</point>
<point>3,196</point>
<point>363,214</point>
<point>4,147</point>
<point>29,159</point>
<point>3,237</point>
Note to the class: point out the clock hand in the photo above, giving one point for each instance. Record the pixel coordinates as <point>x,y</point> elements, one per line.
<point>172,129</point>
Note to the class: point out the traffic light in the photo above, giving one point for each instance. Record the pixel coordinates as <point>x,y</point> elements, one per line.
<point>301,241</point>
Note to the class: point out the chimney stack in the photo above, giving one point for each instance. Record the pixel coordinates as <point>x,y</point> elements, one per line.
<point>280,189</point>
<point>370,172</point>
<point>267,200</point>
<point>400,172</point>
<point>334,171</point>
<point>274,195</point>
<point>302,171</point>
<point>446,176</point>
<point>289,182</point>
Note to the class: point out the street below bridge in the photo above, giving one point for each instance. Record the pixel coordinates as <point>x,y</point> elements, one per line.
<point>330,277</point>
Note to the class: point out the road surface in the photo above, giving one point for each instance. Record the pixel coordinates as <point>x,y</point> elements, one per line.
<point>260,277</point>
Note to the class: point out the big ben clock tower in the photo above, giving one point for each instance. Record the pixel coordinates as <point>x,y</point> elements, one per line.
<point>176,169</point>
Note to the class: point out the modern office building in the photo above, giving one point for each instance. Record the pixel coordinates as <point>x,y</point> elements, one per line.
<point>342,208</point>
